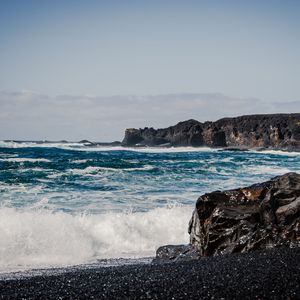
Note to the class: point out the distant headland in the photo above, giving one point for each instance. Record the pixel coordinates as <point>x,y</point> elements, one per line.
<point>275,131</point>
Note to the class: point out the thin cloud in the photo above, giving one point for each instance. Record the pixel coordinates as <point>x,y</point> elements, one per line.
<point>30,115</point>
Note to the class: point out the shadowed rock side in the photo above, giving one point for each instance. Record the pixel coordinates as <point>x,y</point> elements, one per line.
<point>260,216</point>
<point>277,131</point>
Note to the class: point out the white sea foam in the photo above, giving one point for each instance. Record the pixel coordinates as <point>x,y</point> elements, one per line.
<point>82,147</point>
<point>80,161</point>
<point>25,159</point>
<point>143,168</point>
<point>8,155</point>
<point>149,149</point>
<point>270,170</point>
<point>95,170</point>
<point>4,144</point>
<point>88,170</point>
<point>20,188</point>
<point>277,152</point>
<point>41,238</point>
<point>61,145</point>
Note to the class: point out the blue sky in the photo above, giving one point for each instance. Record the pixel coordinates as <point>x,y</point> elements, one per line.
<point>237,49</point>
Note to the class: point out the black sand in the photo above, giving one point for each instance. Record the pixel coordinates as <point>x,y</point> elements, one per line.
<point>273,274</point>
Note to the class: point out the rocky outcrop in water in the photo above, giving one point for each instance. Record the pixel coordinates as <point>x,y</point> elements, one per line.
<point>257,217</point>
<point>277,131</point>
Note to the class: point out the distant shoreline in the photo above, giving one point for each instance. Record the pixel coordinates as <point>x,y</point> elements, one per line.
<point>118,145</point>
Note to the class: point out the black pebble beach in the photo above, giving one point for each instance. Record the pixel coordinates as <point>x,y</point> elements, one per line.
<point>271,274</point>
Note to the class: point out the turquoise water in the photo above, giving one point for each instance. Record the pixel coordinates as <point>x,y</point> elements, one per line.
<point>64,204</point>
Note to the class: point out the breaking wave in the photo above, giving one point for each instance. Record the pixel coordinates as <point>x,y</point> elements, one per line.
<point>41,238</point>
<point>21,159</point>
<point>86,147</point>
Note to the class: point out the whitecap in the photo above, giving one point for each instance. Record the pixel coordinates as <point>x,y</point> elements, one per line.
<point>143,168</point>
<point>277,152</point>
<point>80,161</point>
<point>263,170</point>
<point>25,159</point>
<point>90,170</point>
<point>95,170</point>
<point>149,149</point>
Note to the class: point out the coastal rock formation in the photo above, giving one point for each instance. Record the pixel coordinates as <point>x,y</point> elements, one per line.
<point>277,131</point>
<point>257,217</point>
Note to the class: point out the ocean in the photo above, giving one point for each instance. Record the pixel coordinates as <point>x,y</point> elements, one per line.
<point>66,204</point>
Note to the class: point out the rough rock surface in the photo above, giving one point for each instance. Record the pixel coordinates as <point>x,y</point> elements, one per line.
<point>257,217</point>
<point>174,253</point>
<point>261,216</point>
<point>277,131</point>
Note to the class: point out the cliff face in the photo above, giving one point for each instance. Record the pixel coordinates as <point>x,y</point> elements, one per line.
<point>278,131</point>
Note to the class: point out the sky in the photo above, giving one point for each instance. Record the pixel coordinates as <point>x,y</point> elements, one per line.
<point>89,69</point>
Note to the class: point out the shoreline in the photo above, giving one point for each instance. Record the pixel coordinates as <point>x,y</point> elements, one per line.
<point>273,274</point>
<point>98,146</point>
<point>56,270</point>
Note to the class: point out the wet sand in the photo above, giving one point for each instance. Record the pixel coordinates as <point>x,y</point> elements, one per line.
<point>272,274</point>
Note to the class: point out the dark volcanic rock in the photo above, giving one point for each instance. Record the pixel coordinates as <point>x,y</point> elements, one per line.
<point>257,217</point>
<point>188,133</point>
<point>115,143</point>
<point>183,134</point>
<point>277,131</point>
<point>261,216</point>
<point>94,144</point>
<point>173,253</point>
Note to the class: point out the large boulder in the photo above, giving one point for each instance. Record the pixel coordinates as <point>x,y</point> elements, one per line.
<point>257,217</point>
<point>260,216</point>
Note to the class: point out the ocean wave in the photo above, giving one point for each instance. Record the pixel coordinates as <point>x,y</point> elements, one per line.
<point>276,152</point>
<point>41,238</point>
<point>149,149</point>
<point>61,145</point>
<point>82,147</point>
<point>80,161</point>
<point>6,144</point>
<point>89,170</point>
<point>95,170</point>
<point>24,159</point>
<point>20,188</point>
<point>262,170</point>
<point>143,168</point>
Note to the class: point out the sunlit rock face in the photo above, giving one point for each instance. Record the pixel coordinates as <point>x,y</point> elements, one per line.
<point>277,131</point>
<point>257,217</point>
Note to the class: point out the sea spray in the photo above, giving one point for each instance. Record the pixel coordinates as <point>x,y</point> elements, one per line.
<point>39,238</point>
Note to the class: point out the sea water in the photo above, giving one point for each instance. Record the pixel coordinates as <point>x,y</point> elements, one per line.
<point>65,204</point>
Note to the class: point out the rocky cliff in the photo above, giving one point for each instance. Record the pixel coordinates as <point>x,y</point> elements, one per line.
<point>257,217</point>
<point>276,131</point>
